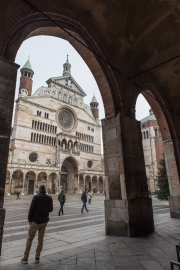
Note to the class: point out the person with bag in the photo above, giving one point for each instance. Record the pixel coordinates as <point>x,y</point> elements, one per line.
<point>61,199</point>
<point>89,196</point>
<point>84,200</point>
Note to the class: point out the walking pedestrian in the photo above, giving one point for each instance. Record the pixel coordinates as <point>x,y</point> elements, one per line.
<point>18,193</point>
<point>89,196</point>
<point>61,199</point>
<point>38,218</point>
<point>84,200</point>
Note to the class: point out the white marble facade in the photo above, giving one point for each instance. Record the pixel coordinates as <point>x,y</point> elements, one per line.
<point>56,141</point>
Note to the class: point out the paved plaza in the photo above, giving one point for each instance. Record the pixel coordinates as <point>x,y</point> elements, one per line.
<point>77,241</point>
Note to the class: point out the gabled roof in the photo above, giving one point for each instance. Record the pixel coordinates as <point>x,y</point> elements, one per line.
<point>150,117</point>
<point>27,65</point>
<point>58,81</point>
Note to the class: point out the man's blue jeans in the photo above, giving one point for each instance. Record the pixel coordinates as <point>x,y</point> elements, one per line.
<point>84,206</point>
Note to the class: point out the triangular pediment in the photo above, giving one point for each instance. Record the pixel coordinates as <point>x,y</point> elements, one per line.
<point>67,82</point>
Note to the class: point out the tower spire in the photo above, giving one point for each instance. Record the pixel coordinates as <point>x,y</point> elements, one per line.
<point>67,68</point>
<point>94,107</point>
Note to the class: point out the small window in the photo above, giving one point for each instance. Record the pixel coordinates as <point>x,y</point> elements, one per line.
<point>92,129</point>
<point>156,132</point>
<point>147,134</point>
<point>88,128</point>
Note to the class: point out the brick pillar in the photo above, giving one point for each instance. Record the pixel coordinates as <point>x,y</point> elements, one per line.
<point>173,179</point>
<point>128,208</point>
<point>8,73</point>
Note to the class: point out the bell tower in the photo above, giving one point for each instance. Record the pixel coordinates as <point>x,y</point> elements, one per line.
<point>94,107</point>
<point>67,68</point>
<point>25,87</point>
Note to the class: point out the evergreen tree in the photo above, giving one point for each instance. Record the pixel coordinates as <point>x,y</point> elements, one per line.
<point>162,191</point>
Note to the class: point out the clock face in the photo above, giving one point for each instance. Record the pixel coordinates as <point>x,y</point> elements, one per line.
<point>65,119</point>
<point>24,92</point>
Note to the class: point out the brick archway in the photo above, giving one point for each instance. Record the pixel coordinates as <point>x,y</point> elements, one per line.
<point>34,24</point>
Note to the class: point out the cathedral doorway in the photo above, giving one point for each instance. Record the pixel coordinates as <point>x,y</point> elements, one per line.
<point>68,175</point>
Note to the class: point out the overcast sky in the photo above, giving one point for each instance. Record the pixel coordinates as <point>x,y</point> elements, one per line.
<point>47,56</point>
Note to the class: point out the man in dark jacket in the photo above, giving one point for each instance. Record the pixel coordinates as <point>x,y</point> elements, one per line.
<point>84,200</point>
<point>38,218</point>
<point>61,199</point>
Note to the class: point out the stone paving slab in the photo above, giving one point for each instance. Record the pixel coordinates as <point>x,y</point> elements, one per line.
<point>89,248</point>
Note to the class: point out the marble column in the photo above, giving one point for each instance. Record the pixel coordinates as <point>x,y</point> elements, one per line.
<point>24,179</point>
<point>35,184</point>
<point>8,73</point>
<point>128,211</point>
<point>9,187</point>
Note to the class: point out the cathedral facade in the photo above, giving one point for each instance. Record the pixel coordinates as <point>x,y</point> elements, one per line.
<point>56,138</point>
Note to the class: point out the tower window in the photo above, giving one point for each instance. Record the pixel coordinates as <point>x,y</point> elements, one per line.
<point>88,128</point>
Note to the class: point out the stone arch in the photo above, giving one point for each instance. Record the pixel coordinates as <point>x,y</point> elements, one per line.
<point>64,144</point>
<point>168,132</point>
<point>100,184</point>
<point>17,181</point>
<point>52,184</point>
<point>88,183</point>
<point>75,146</point>
<point>95,184</point>
<point>70,144</point>
<point>30,185</point>
<point>29,26</point>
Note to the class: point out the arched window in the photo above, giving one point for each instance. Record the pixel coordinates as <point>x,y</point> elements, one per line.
<point>59,142</point>
<point>147,134</point>
<point>35,124</point>
<point>42,138</point>
<point>32,123</point>
<point>31,136</point>
<point>34,137</point>
<point>64,98</point>
<point>37,137</point>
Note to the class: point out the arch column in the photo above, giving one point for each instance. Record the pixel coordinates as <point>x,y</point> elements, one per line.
<point>128,210</point>
<point>9,187</point>
<point>8,73</point>
<point>97,184</point>
<point>35,183</point>
<point>24,179</point>
<point>173,177</point>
